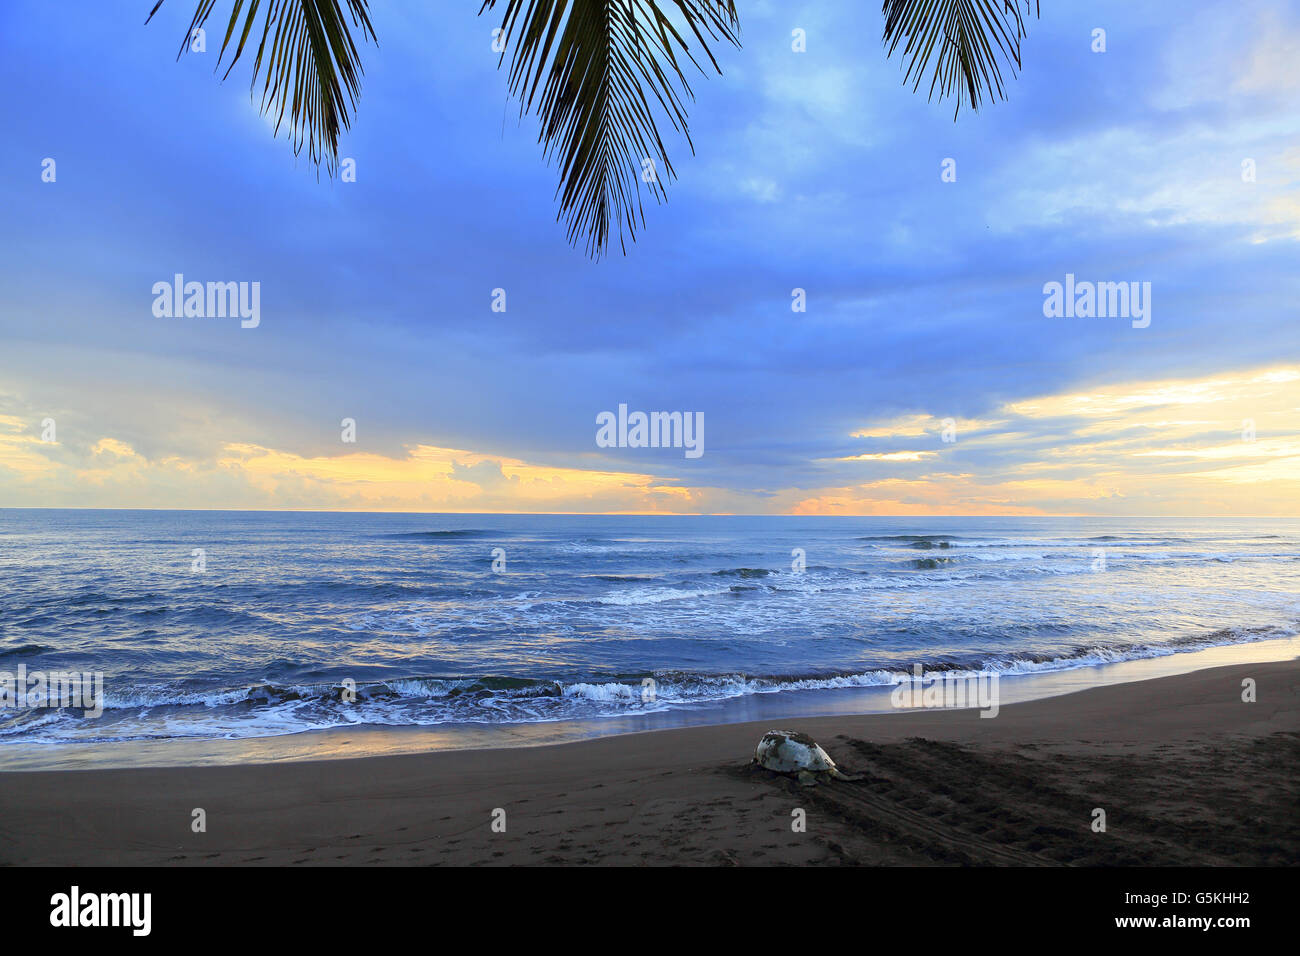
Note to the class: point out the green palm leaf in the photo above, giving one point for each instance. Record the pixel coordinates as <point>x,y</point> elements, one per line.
<point>313,70</point>
<point>959,35</point>
<point>597,73</point>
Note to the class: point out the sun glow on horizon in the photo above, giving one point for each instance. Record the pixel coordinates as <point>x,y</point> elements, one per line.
<point>1225,443</point>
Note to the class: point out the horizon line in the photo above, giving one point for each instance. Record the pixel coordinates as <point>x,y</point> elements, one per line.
<point>632,514</point>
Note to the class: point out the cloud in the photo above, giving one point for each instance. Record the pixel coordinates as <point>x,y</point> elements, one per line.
<point>816,170</point>
<point>1231,447</point>
<point>890,456</point>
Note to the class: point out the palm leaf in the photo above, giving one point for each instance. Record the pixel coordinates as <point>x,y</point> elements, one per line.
<point>313,70</point>
<point>597,73</point>
<point>960,36</point>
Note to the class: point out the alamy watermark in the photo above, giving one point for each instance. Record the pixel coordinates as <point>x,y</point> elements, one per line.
<point>651,430</point>
<point>127,910</point>
<point>213,300</point>
<point>946,689</point>
<point>54,690</point>
<point>1103,300</point>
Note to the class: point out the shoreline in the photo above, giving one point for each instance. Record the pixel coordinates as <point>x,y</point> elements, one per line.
<point>1186,770</point>
<point>352,743</point>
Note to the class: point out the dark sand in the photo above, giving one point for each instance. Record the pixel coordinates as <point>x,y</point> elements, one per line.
<point>1186,772</point>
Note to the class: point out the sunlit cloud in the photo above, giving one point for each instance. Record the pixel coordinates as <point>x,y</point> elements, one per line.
<point>20,452</point>
<point>1140,445</point>
<point>1262,388</point>
<point>891,456</point>
<point>918,425</point>
<point>1214,444</point>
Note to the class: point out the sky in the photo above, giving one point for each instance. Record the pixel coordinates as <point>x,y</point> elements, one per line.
<point>922,377</point>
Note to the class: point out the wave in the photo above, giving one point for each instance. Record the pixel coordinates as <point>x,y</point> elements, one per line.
<point>24,650</point>
<point>930,564</point>
<point>654,595</point>
<point>445,535</point>
<point>926,542</point>
<point>271,709</point>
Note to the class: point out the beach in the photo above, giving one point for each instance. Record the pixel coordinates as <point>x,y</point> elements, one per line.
<point>1184,769</point>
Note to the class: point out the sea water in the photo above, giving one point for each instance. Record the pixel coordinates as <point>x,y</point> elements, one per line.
<point>209,625</point>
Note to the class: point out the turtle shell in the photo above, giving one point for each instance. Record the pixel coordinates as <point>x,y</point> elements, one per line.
<point>786,751</point>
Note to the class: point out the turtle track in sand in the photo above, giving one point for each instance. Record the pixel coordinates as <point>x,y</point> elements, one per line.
<point>929,802</point>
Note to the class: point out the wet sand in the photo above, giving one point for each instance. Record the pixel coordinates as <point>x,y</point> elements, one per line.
<point>1186,772</point>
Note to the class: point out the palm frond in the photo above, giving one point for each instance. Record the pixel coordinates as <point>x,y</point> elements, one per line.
<point>960,36</point>
<point>312,68</point>
<point>597,72</point>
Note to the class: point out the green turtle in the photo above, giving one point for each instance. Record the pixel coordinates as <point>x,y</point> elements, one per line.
<point>797,755</point>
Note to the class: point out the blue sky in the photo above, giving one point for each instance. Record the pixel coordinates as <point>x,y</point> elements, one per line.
<point>815,170</point>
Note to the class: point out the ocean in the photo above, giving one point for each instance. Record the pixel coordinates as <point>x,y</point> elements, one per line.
<point>232,625</point>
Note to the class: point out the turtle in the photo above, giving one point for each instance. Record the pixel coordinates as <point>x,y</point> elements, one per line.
<point>797,755</point>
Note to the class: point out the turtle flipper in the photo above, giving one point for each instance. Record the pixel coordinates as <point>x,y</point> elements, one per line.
<point>840,775</point>
<point>806,779</point>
